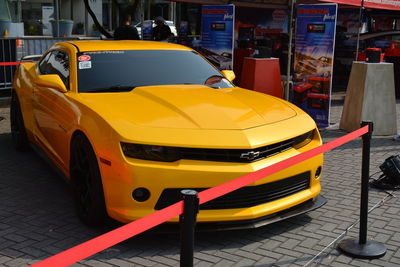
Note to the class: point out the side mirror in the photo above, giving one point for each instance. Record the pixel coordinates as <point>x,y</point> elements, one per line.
<point>52,81</point>
<point>229,74</point>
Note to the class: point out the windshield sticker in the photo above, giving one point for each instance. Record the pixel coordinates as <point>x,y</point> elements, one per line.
<point>84,58</point>
<point>85,65</point>
<point>105,52</point>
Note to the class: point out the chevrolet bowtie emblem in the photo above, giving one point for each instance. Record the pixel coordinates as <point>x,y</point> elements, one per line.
<point>250,155</point>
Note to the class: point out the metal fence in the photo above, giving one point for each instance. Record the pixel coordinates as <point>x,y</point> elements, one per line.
<point>37,46</point>
<point>13,49</point>
<point>7,54</point>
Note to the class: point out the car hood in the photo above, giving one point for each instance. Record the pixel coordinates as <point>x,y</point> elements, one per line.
<point>189,107</point>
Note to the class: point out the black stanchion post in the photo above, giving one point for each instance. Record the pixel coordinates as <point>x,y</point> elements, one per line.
<point>187,222</point>
<point>364,181</point>
<point>363,248</point>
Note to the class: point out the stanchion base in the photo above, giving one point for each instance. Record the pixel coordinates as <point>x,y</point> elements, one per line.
<point>370,250</point>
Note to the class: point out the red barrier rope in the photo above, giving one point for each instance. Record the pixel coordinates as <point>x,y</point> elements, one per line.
<point>120,234</point>
<point>9,63</point>
<point>237,183</point>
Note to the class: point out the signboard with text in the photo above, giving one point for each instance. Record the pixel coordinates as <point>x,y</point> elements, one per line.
<point>47,15</point>
<point>313,63</point>
<point>217,35</point>
<point>254,23</point>
<point>147,30</point>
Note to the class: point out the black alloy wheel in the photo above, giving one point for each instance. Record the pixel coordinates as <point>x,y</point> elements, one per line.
<point>86,182</point>
<point>18,132</point>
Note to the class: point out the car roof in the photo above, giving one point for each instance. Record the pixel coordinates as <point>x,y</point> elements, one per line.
<point>102,45</point>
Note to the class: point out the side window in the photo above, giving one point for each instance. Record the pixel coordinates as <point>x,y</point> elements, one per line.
<point>44,63</point>
<point>56,62</point>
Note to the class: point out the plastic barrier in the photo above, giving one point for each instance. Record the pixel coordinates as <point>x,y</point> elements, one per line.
<point>361,249</point>
<point>9,63</point>
<point>120,234</point>
<point>8,53</point>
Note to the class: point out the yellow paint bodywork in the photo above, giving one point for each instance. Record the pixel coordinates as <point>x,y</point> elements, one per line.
<point>193,116</point>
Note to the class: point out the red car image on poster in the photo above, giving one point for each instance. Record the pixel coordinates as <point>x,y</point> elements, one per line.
<point>313,63</point>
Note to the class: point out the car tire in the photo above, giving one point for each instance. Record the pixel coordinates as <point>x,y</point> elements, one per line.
<point>86,182</point>
<point>18,131</point>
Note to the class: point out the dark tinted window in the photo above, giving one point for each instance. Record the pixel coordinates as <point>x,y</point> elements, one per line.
<point>44,63</point>
<point>110,71</point>
<point>56,62</point>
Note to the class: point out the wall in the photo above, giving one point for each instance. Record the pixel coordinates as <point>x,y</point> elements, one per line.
<point>79,11</point>
<point>4,11</point>
<point>65,9</point>
<point>80,14</point>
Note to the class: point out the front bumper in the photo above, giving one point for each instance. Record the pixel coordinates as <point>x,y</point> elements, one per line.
<point>119,181</point>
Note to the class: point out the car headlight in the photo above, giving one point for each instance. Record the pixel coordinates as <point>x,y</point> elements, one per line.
<point>303,139</point>
<point>150,152</point>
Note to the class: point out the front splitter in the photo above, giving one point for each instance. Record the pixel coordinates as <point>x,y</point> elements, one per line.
<point>262,221</point>
<point>302,208</point>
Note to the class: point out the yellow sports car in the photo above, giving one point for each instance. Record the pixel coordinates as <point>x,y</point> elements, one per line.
<point>131,123</point>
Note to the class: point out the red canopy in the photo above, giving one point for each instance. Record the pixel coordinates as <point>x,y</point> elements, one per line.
<point>382,4</point>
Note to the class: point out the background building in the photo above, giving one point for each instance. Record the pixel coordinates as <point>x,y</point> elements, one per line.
<point>35,15</point>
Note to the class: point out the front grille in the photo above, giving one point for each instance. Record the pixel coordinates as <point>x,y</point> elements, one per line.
<point>246,196</point>
<point>235,155</point>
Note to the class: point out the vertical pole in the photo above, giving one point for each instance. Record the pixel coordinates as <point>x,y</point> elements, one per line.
<point>86,23</point>
<point>110,20</point>
<point>363,248</point>
<point>187,222</point>
<point>364,181</point>
<point>360,18</point>
<point>11,58</point>
<point>289,59</point>
<point>172,13</point>
<point>56,16</point>
<point>19,11</point>
<point>148,10</point>
<point>3,58</point>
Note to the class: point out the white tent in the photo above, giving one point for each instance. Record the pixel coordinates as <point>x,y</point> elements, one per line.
<point>380,4</point>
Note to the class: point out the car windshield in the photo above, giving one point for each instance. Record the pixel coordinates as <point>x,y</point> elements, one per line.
<point>121,71</point>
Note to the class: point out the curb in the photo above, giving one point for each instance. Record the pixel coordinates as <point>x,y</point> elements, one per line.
<point>5,102</point>
<point>338,96</point>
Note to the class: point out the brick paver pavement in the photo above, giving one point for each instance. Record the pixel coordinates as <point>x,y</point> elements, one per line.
<point>37,218</point>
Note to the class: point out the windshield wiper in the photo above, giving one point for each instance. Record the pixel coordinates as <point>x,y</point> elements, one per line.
<point>115,88</point>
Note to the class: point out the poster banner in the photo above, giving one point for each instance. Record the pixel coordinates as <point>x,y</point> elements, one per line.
<point>47,15</point>
<point>147,30</point>
<point>259,23</point>
<point>217,35</point>
<point>313,62</point>
<point>183,32</point>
